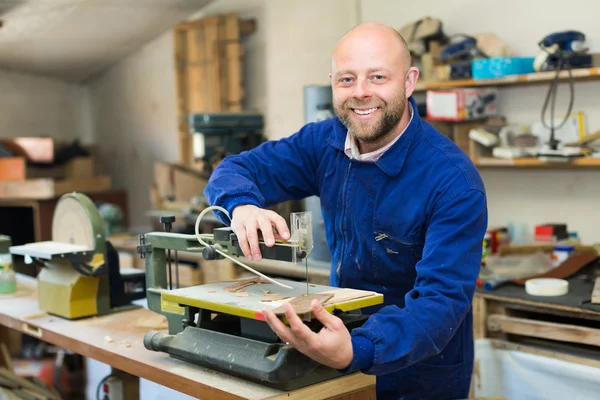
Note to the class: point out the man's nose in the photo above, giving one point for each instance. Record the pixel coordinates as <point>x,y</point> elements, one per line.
<point>362,89</point>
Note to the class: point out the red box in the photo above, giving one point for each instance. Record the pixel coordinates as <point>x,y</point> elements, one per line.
<point>461,104</point>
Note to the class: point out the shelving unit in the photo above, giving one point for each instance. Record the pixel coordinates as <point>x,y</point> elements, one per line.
<point>579,163</point>
<point>537,78</point>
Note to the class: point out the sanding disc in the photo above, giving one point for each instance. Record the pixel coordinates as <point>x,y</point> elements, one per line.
<point>77,221</point>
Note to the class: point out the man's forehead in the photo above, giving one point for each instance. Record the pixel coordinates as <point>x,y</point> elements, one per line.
<point>362,69</point>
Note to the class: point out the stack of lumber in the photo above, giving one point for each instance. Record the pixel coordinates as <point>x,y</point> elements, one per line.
<point>31,169</point>
<point>14,387</point>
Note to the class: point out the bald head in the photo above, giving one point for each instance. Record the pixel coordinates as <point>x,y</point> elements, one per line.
<point>374,35</point>
<point>372,78</point>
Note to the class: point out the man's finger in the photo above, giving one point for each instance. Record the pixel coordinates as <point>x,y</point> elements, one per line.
<point>281,225</point>
<point>252,234</point>
<point>328,320</point>
<point>243,241</point>
<point>282,331</point>
<point>299,329</point>
<point>267,230</point>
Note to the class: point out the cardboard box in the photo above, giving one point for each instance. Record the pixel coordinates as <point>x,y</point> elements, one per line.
<point>461,104</point>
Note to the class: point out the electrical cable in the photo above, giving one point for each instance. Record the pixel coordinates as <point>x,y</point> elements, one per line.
<point>100,384</point>
<point>551,96</point>
<point>200,238</point>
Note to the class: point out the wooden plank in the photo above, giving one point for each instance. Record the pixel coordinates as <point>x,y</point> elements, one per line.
<point>544,329</point>
<point>13,169</point>
<point>84,185</point>
<point>596,292</point>
<point>582,162</point>
<point>209,71</point>
<point>579,75</point>
<point>46,188</point>
<point>302,303</point>
<point>247,26</point>
<point>194,70</point>
<point>479,318</point>
<point>546,352</point>
<point>213,81</point>
<point>234,63</point>
<point>330,390</point>
<point>28,189</point>
<point>184,140</point>
<point>117,340</point>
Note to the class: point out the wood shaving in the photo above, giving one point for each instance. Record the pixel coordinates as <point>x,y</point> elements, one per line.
<point>34,316</point>
<point>274,297</point>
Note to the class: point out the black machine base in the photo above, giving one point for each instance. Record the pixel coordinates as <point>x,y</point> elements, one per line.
<point>272,364</point>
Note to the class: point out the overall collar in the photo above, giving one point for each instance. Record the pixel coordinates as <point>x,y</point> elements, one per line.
<point>392,160</point>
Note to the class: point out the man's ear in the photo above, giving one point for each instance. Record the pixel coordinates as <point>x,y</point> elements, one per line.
<point>410,82</point>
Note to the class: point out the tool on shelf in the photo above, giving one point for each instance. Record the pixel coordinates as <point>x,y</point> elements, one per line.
<point>559,51</point>
<point>81,275</point>
<point>220,325</point>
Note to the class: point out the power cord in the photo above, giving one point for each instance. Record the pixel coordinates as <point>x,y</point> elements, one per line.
<point>99,387</point>
<point>553,142</point>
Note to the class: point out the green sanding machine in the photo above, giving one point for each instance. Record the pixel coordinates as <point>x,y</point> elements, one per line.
<point>81,276</point>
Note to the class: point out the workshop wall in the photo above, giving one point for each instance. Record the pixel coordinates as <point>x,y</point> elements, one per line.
<point>37,106</point>
<point>134,118</point>
<point>301,36</point>
<point>568,196</point>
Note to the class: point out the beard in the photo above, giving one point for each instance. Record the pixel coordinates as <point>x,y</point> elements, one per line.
<point>371,131</point>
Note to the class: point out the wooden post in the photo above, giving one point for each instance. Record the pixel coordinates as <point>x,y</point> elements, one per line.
<point>208,61</point>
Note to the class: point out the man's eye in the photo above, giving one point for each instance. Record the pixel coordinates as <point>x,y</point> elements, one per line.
<point>379,77</point>
<point>346,80</point>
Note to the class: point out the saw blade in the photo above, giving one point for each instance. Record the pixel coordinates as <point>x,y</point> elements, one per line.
<point>73,222</point>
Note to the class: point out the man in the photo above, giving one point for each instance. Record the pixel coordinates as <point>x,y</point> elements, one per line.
<point>405,214</point>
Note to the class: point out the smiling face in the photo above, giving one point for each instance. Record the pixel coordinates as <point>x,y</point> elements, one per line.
<point>371,81</point>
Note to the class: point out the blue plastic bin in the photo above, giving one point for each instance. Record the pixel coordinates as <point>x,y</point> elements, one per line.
<point>498,67</point>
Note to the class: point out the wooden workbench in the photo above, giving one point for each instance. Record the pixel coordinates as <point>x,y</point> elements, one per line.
<point>563,327</point>
<point>117,340</point>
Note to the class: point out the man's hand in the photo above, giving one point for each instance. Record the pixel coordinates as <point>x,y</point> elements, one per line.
<point>332,346</point>
<point>245,222</point>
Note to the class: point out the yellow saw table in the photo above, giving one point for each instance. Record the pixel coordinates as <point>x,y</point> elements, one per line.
<point>221,326</point>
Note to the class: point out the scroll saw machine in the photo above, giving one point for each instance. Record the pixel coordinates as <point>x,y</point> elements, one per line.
<point>81,275</point>
<point>220,327</point>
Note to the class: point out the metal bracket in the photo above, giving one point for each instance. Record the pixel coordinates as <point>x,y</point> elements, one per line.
<point>144,248</point>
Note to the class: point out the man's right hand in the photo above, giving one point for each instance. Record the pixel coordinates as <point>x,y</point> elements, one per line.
<point>248,219</point>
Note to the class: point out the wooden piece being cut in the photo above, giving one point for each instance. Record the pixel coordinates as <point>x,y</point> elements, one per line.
<point>345,294</point>
<point>301,304</point>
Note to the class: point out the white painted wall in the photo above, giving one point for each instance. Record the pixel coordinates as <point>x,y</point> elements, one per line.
<point>37,106</point>
<point>569,196</point>
<point>134,118</point>
<point>301,37</point>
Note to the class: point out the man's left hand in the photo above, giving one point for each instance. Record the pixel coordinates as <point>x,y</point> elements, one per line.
<point>332,346</point>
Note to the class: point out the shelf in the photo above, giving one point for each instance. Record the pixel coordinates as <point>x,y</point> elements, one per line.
<point>580,163</point>
<point>537,78</point>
